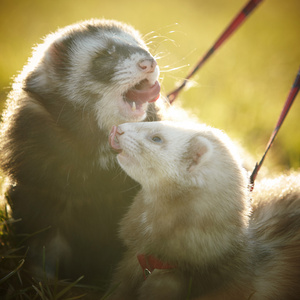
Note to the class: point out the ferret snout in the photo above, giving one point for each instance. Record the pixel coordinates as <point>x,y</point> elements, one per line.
<point>147,65</point>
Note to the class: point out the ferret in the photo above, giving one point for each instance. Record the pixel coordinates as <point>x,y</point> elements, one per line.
<point>194,231</point>
<point>65,184</point>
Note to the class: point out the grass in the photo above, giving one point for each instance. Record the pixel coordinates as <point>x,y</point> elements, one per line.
<point>17,282</point>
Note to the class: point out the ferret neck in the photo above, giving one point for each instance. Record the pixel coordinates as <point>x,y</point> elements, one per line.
<point>167,191</point>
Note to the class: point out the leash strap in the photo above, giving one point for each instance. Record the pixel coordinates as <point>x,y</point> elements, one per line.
<point>236,22</point>
<point>289,101</point>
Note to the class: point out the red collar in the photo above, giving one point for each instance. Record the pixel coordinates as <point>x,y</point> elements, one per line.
<point>149,263</point>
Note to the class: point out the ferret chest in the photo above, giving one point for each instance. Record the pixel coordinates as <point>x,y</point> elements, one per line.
<point>158,222</point>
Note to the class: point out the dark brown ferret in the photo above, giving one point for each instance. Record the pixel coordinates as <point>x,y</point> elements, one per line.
<point>54,143</point>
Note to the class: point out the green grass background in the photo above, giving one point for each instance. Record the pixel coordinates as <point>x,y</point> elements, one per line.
<point>241,89</point>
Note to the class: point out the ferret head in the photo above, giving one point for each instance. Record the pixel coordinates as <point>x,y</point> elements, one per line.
<point>183,154</point>
<point>103,66</point>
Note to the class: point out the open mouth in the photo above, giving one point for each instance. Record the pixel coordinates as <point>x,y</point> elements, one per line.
<point>142,93</point>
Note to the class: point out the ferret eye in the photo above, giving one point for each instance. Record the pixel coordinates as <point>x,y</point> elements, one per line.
<point>111,50</point>
<point>156,139</point>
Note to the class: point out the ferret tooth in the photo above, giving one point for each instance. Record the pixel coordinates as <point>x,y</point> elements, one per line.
<point>133,108</point>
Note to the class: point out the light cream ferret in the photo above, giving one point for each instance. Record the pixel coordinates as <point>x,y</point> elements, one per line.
<point>191,232</point>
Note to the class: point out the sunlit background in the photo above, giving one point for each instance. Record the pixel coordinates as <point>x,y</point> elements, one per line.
<point>241,89</point>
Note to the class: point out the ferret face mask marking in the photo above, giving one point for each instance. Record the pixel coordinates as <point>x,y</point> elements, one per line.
<point>128,75</point>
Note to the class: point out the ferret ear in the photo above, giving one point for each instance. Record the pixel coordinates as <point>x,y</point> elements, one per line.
<point>55,59</point>
<point>57,54</point>
<point>199,146</point>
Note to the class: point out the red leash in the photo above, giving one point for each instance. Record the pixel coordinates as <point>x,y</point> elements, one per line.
<point>289,101</point>
<point>237,21</point>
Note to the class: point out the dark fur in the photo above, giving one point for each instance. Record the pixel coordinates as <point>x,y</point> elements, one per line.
<point>50,151</point>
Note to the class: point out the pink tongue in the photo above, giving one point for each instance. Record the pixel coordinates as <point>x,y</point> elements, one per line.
<point>144,92</point>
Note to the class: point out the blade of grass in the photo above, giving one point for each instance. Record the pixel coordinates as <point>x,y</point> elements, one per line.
<point>45,277</point>
<point>65,290</point>
<point>42,290</point>
<point>12,272</point>
<point>190,289</point>
<point>28,236</point>
<point>39,292</point>
<point>110,291</point>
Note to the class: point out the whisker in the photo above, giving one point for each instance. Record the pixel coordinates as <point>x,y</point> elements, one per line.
<point>184,58</point>
<point>60,113</point>
<point>145,36</point>
<point>131,188</point>
<point>161,55</point>
<point>173,69</point>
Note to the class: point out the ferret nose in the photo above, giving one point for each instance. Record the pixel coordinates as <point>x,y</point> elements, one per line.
<point>147,65</point>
